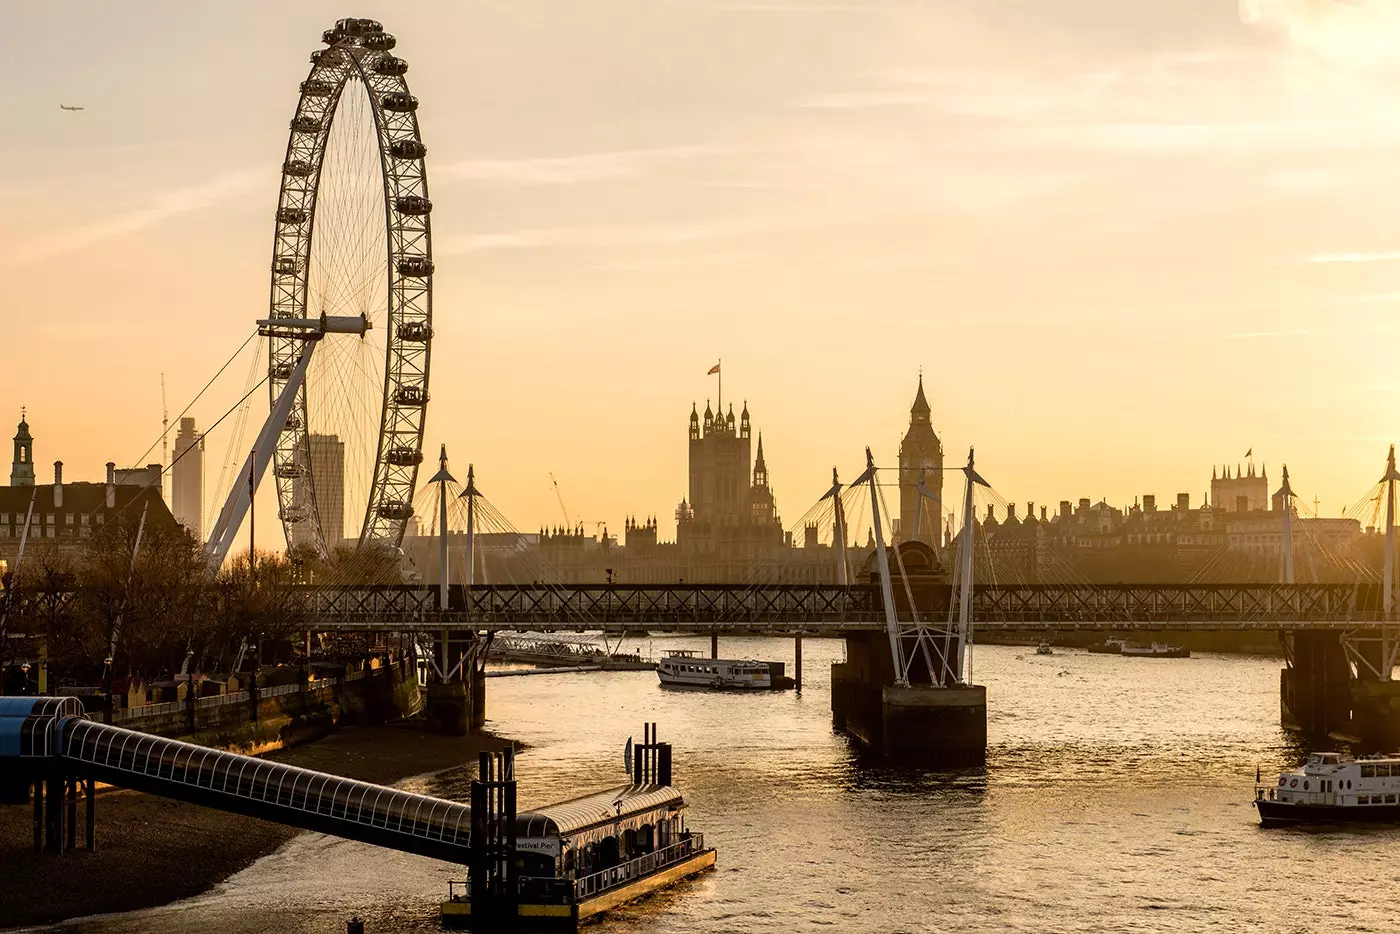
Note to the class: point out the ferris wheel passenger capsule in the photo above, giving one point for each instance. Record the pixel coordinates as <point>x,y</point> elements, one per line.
<point>407,149</point>
<point>379,42</point>
<point>399,102</point>
<point>413,204</point>
<point>419,267</point>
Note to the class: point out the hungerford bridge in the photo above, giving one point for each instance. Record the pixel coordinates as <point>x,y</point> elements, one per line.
<point>904,688</point>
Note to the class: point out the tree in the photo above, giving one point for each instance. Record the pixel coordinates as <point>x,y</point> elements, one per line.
<point>259,602</point>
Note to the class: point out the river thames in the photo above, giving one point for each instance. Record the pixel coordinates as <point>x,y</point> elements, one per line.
<point>1116,797</point>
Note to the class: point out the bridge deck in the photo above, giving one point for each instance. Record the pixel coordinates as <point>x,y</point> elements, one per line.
<point>828,608</point>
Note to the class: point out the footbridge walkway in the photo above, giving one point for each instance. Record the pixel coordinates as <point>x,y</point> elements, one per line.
<point>834,609</point>
<point>54,738</point>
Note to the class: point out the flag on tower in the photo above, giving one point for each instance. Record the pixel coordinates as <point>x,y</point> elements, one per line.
<point>712,370</point>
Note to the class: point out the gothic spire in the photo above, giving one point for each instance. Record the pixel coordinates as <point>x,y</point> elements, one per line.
<point>920,407</point>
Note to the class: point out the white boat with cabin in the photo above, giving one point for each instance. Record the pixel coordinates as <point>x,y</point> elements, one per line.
<point>1332,787</point>
<point>687,669</point>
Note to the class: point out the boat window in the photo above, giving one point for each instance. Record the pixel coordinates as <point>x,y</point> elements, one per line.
<point>1390,799</point>
<point>1368,771</point>
<point>1382,771</point>
<point>1305,786</point>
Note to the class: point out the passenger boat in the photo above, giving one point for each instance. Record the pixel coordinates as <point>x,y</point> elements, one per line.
<point>1044,648</point>
<point>1155,650</point>
<point>1333,788</point>
<point>688,670</point>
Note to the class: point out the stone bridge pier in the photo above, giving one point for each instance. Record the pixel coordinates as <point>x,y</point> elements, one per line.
<point>932,719</point>
<point>456,694</point>
<point>1337,685</point>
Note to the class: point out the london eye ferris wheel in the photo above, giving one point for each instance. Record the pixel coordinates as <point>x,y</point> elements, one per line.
<point>352,273</point>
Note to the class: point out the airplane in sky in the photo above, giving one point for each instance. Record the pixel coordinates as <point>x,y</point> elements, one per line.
<point>66,107</point>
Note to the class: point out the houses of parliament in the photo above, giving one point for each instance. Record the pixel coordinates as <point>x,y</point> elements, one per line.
<point>728,529</point>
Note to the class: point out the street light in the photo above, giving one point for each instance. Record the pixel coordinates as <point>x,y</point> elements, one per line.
<point>25,668</point>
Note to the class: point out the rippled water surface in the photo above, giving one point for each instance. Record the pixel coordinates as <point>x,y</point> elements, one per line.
<point>1116,797</point>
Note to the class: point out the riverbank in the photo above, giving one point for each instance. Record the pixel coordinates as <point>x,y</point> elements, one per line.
<point>151,850</point>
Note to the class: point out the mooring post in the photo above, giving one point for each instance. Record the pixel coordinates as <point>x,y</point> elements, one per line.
<point>53,832</point>
<point>714,645</point>
<point>38,812</point>
<point>797,663</point>
<point>90,793</point>
<point>72,788</point>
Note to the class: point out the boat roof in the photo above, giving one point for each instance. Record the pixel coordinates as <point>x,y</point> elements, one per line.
<point>599,807</point>
<point>717,661</point>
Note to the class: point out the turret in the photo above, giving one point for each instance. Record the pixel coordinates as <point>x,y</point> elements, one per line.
<point>22,470</point>
<point>694,423</point>
<point>760,469</point>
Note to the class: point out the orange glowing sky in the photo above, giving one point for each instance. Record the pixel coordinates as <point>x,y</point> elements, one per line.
<point>1124,241</point>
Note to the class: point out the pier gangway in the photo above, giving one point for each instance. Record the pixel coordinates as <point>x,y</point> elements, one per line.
<point>53,735</point>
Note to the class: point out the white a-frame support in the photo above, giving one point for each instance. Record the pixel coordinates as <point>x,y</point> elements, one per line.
<point>240,498</point>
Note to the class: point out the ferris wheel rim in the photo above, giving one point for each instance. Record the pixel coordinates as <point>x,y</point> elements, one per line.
<point>359,53</point>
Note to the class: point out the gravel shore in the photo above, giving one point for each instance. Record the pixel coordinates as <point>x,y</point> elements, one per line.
<point>151,850</point>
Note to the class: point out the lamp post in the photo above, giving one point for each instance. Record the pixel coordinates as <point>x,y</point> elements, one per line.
<point>25,669</point>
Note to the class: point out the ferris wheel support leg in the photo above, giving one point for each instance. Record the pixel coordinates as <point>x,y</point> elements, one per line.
<point>240,498</point>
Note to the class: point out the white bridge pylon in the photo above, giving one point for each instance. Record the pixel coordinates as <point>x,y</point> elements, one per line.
<point>245,485</point>
<point>913,640</point>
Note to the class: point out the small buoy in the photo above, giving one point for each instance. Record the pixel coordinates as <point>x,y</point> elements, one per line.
<point>354,926</point>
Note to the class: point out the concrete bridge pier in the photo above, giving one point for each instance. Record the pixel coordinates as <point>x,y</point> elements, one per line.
<point>1375,697</point>
<point>915,723</point>
<point>1315,687</point>
<point>456,700</point>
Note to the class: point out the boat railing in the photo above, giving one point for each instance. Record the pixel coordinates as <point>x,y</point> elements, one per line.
<point>622,873</point>
<point>543,890</point>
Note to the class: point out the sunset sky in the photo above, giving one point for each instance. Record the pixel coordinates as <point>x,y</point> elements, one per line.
<point>1124,240</point>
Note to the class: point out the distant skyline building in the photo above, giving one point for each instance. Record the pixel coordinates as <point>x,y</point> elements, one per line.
<point>187,478</point>
<point>327,468</point>
<point>921,459</point>
<point>1244,492</point>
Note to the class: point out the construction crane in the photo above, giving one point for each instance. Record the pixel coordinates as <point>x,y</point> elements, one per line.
<point>560,496</point>
<point>164,435</point>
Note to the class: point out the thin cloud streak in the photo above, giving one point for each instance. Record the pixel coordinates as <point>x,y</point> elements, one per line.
<point>573,237</point>
<point>163,206</point>
<point>1256,335</point>
<point>573,169</point>
<point>1378,257</point>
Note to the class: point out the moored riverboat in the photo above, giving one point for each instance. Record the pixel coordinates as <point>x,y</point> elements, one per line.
<point>1044,648</point>
<point>1155,650</point>
<point>1107,647</point>
<point>577,859</point>
<point>686,669</point>
<point>1333,788</point>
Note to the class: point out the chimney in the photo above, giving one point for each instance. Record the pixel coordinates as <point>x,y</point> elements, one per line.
<point>111,485</point>
<point>990,514</point>
<point>1010,511</point>
<point>1149,502</point>
<point>1183,502</point>
<point>1084,503</point>
<point>58,484</point>
<point>1042,513</point>
<point>1030,511</point>
<point>1064,509</point>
